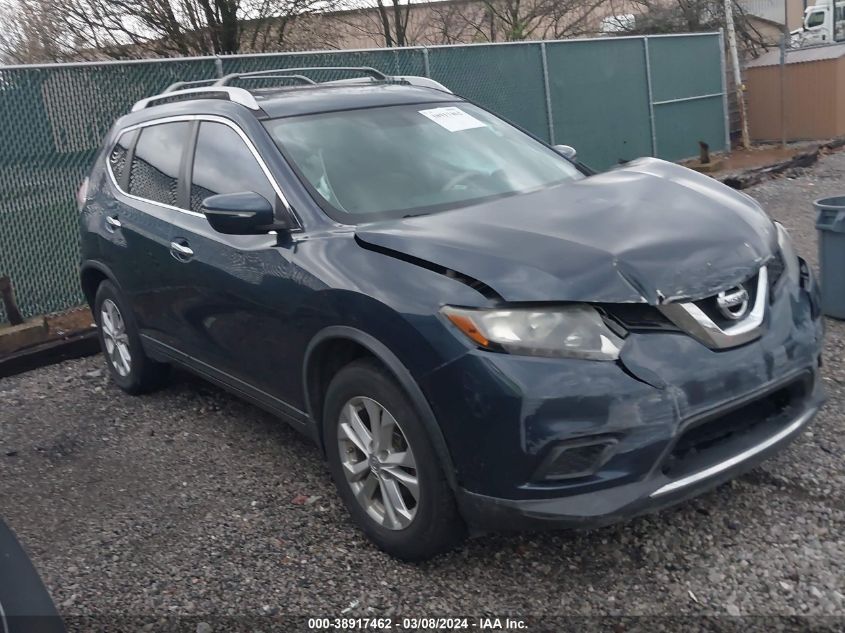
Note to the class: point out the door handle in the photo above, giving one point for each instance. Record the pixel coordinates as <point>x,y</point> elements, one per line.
<point>112,222</point>
<point>181,251</point>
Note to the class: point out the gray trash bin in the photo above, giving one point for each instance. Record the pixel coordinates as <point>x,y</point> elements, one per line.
<point>830,222</point>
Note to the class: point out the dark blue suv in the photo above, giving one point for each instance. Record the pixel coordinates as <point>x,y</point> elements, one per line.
<point>478,332</point>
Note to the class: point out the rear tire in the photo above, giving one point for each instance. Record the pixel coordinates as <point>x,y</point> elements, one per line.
<point>130,368</point>
<point>385,454</point>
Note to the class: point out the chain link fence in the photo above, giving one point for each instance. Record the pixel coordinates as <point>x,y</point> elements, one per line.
<point>613,98</point>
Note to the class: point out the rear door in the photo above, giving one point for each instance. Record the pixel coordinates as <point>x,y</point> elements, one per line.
<point>151,193</point>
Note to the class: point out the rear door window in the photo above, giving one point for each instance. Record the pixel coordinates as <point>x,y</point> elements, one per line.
<point>224,164</point>
<point>154,173</point>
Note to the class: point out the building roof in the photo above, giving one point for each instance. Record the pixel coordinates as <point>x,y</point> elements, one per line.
<point>799,55</point>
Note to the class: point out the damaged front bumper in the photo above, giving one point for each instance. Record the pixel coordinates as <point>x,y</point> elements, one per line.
<point>656,490</point>
<point>571,443</point>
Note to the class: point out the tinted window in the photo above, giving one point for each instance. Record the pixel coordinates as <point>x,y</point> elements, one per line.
<point>117,157</point>
<point>224,164</point>
<point>155,166</point>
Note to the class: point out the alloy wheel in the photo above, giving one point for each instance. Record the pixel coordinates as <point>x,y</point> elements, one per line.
<point>378,463</point>
<point>115,337</point>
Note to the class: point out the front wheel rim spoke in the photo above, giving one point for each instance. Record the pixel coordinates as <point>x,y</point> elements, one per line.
<point>356,471</point>
<point>119,325</point>
<point>352,436</point>
<point>384,433</point>
<point>111,310</point>
<point>106,322</point>
<point>366,490</point>
<point>360,429</point>
<point>374,413</point>
<point>407,480</point>
<point>405,459</point>
<point>388,502</point>
<point>394,503</point>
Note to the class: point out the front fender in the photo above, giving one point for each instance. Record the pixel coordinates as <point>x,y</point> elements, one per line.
<point>400,372</point>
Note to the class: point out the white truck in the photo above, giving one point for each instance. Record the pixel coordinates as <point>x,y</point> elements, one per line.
<point>823,24</point>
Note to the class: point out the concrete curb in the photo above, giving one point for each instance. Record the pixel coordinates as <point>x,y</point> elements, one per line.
<point>73,346</point>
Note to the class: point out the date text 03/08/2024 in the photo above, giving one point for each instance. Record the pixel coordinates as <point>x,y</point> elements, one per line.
<point>417,624</point>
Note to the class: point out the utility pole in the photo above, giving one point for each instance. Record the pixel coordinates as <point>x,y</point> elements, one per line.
<point>740,89</point>
<point>784,42</point>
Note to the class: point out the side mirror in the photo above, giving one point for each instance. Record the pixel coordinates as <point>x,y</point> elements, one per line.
<point>567,151</point>
<point>244,213</point>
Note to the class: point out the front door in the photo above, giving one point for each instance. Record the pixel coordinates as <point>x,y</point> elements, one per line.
<point>238,291</point>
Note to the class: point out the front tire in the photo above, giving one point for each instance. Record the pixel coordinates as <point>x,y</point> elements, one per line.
<point>130,368</point>
<point>384,466</point>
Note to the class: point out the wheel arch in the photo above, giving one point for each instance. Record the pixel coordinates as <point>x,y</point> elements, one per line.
<point>349,336</point>
<point>91,274</point>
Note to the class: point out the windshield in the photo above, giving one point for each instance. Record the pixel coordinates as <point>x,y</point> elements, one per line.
<point>394,161</point>
<point>815,19</point>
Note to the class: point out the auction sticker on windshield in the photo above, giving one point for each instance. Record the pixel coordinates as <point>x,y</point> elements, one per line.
<point>452,118</point>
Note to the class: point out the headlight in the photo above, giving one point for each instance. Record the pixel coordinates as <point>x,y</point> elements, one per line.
<point>575,331</point>
<point>787,251</point>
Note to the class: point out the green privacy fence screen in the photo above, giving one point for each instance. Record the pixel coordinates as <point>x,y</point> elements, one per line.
<point>612,98</point>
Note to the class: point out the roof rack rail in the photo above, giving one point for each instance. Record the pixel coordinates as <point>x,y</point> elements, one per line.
<point>281,72</point>
<point>220,86</point>
<point>414,80</point>
<point>236,95</point>
<point>267,74</point>
<point>179,85</point>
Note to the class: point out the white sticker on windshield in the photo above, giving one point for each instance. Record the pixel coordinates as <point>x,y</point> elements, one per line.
<point>452,118</point>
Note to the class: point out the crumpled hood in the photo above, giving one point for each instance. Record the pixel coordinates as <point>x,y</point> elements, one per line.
<point>650,231</point>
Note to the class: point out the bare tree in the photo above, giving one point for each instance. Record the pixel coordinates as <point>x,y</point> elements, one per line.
<point>97,29</point>
<point>516,20</point>
<point>394,22</point>
<point>31,32</point>
<point>404,22</point>
<point>688,16</point>
<point>382,22</point>
<point>458,22</point>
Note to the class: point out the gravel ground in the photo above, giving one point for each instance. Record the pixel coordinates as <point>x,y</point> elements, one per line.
<point>189,501</point>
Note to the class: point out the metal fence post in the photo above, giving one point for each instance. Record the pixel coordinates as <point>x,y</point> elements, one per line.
<point>218,66</point>
<point>651,121</point>
<point>426,67</point>
<point>548,93</point>
<point>725,104</point>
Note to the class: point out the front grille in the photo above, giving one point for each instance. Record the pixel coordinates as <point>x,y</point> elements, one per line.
<point>710,307</point>
<point>714,438</point>
<point>638,316</point>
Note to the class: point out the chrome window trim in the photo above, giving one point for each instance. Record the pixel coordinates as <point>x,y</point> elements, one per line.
<point>199,117</point>
<point>691,319</point>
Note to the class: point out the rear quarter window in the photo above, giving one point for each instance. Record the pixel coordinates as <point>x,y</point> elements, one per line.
<point>119,155</point>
